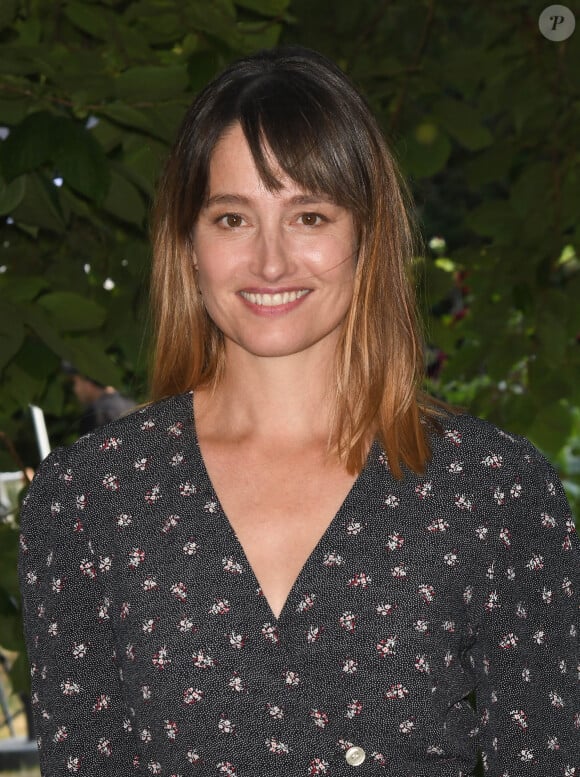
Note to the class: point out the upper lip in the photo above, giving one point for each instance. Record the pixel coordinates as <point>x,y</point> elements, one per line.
<point>256,290</point>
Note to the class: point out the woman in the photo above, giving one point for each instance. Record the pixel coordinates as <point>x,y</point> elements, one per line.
<point>293,562</point>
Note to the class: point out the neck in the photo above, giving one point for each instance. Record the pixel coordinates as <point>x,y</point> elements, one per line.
<point>284,399</point>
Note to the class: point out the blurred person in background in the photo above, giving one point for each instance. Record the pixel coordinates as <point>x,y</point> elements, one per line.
<point>101,404</point>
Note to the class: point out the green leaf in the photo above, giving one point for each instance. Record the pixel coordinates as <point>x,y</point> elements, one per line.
<point>108,135</point>
<point>53,398</point>
<point>160,120</point>
<point>21,385</point>
<point>519,410</point>
<point>441,335</point>
<point>124,201</point>
<point>13,110</point>
<point>29,145</point>
<point>265,7</point>
<point>71,312</point>
<point>573,293</point>
<point>551,330</point>
<point>502,357</point>
<point>43,138</point>
<point>525,101</point>
<point>532,189</point>
<point>549,384</point>
<point>89,357</point>
<point>143,161</point>
<point>29,30</point>
<point>39,207</point>
<point>80,74</point>
<point>11,194</point>
<point>8,561</point>
<point>463,123</point>
<point>492,164</point>
<point>551,425</point>
<point>8,9</point>
<point>445,264</point>
<point>493,218</point>
<point>92,20</point>
<point>569,197</point>
<point>41,323</point>
<point>424,152</point>
<point>218,20</point>
<point>201,67</point>
<point>81,161</point>
<point>23,59</point>
<point>11,332</point>
<point>151,83</point>
<point>37,360</point>
<point>160,23</point>
<point>10,625</point>
<point>127,116</point>
<point>22,288</point>
<point>111,27</point>
<point>168,117</point>
<point>20,670</point>
<point>439,282</point>
<point>257,35</point>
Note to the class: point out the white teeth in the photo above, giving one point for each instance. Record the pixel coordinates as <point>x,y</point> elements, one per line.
<point>272,300</point>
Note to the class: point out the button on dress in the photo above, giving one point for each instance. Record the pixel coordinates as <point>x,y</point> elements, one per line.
<point>437,616</point>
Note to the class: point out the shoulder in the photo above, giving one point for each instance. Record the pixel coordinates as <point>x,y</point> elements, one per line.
<point>481,442</point>
<point>498,467</point>
<point>114,446</point>
<point>145,426</point>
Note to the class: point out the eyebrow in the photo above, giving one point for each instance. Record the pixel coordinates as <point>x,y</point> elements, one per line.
<point>239,199</point>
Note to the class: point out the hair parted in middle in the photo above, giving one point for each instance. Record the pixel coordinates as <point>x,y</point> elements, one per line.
<point>300,109</point>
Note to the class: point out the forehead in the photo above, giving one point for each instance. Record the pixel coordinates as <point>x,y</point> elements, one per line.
<point>231,149</point>
<point>232,157</point>
<point>233,170</point>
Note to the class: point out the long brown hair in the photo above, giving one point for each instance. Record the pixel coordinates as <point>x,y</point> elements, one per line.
<point>322,134</point>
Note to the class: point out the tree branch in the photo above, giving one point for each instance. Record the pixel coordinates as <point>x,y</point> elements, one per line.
<point>10,447</point>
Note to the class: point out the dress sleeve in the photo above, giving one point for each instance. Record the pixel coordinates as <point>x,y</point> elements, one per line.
<point>526,657</point>
<point>76,691</point>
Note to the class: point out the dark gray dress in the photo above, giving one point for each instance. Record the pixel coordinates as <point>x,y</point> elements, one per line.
<point>153,650</point>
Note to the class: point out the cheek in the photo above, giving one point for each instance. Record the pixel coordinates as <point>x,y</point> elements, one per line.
<point>333,260</point>
<point>214,268</point>
<point>215,287</point>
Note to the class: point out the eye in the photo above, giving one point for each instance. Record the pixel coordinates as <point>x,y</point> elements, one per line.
<point>230,220</point>
<point>311,219</point>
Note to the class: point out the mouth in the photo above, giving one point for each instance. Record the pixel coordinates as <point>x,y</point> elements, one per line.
<point>276,299</point>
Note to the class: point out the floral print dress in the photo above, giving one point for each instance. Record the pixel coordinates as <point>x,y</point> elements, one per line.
<point>437,616</point>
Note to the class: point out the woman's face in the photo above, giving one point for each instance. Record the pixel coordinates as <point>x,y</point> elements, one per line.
<point>276,269</point>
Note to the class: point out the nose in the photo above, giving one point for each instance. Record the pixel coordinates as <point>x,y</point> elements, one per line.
<point>272,255</point>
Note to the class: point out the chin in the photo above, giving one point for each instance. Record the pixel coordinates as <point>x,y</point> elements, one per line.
<point>275,349</point>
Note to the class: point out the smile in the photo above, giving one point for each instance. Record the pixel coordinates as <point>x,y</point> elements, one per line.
<point>273,300</point>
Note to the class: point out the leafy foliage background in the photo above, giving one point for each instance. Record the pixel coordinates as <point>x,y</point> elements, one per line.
<point>482,112</point>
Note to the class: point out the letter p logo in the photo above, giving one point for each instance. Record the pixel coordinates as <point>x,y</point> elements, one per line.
<point>557,23</point>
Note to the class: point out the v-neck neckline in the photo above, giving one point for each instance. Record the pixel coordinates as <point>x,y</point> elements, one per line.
<point>351,497</point>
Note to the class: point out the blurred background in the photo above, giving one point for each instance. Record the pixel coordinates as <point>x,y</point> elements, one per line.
<point>481,110</point>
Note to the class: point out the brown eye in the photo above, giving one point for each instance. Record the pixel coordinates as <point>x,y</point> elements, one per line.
<point>233,220</point>
<point>309,219</point>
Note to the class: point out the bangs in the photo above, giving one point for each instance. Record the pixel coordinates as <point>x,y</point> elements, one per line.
<point>306,136</point>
